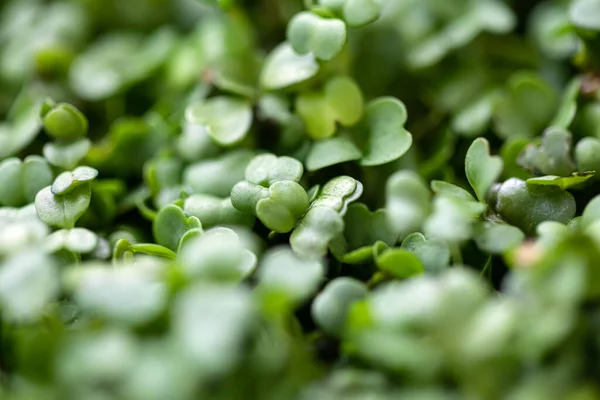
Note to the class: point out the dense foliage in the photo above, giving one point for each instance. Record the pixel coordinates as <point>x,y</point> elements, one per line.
<point>277,199</point>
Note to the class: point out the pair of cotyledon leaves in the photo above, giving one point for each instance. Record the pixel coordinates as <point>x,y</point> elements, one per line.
<point>325,36</point>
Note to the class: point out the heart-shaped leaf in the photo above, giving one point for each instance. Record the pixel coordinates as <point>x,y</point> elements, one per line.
<point>227,119</point>
<point>340,101</point>
<point>311,33</point>
<point>66,154</point>
<point>171,224</point>
<point>433,253</point>
<point>387,140</point>
<point>63,211</point>
<point>67,181</point>
<point>286,203</point>
<point>284,67</point>
<point>527,206</point>
<point>482,169</point>
<point>21,180</point>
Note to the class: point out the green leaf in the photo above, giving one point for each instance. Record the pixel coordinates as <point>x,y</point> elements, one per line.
<point>340,101</point>
<point>171,224</point>
<point>20,181</point>
<point>408,201</point>
<point>363,227</point>
<point>358,13</point>
<point>217,176</point>
<point>310,33</point>
<point>22,126</point>
<point>118,60</point>
<point>211,325</point>
<point>315,231</point>
<point>65,122</point>
<point>552,156</point>
<point>213,211</point>
<point>28,282</point>
<point>568,107</point>
<point>452,219</point>
<point>266,169</point>
<point>361,255</point>
<point>217,255</point>
<point>227,119</point>
<point>67,181</point>
<point>338,193</point>
<point>284,67</point>
<point>587,155</point>
<point>585,14</point>
<point>387,140</point>
<point>564,183</point>
<point>286,203</point>
<point>591,213</point>
<point>399,263</point>
<point>433,253</point>
<point>330,307</point>
<point>131,294</point>
<point>318,117</point>
<point>328,152</point>
<point>482,169</point>
<point>475,118</point>
<point>155,250</point>
<point>66,154</point>
<point>283,273</point>
<point>450,190</point>
<point>20,228</point>
<point>195,143</point>
<point>77,240</point>
<point>551,233</point>
<point>345,99</point>
<point>527,206</point>
<point>526,107</point>
<point>63,211</point>
<point>510,152</point>
<point>497,238</point>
